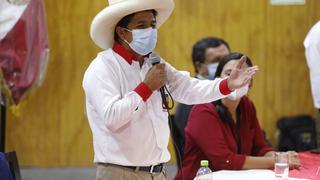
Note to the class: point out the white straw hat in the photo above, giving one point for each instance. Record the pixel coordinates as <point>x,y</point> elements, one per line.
<point>103,24</point>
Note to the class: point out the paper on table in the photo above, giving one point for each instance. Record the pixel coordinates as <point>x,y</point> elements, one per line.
<point>245,175</point>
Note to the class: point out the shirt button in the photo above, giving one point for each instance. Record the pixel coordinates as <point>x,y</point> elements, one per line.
<point>227,161</point>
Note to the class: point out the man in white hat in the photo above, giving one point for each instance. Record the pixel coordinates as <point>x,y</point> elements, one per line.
<point>124,107</point>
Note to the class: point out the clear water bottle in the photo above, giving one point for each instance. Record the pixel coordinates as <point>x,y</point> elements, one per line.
<point>204,172</point>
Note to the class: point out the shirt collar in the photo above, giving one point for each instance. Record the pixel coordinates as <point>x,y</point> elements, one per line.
<point>123,52</point>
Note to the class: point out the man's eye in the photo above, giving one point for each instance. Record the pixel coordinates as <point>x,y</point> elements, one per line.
<point>141,27</point>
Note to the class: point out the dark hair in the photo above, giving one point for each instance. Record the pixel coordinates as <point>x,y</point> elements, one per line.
<point>199,48</point>
<point>221,109</point>
<point>126,20</point>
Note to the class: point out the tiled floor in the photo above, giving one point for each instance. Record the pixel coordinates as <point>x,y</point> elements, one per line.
<point>71,173</point>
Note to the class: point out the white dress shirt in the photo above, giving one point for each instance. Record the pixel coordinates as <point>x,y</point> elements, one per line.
<point>126,129</point>
<point>312,46</point>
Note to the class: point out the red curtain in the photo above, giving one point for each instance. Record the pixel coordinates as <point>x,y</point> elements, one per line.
<point>24,51</point>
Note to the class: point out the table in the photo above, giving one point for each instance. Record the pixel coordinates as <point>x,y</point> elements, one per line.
<point>310,169</point>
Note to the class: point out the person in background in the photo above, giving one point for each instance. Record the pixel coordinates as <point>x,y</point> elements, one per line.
<point>206,55</point>
<point>312,47</point>
<point>227,132</point>
<point>124,106</point>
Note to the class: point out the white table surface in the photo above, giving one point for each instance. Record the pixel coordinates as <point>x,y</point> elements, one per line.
<point>254,174</point>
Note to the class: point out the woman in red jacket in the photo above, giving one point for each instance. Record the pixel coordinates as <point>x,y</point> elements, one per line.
<point>226,132</point>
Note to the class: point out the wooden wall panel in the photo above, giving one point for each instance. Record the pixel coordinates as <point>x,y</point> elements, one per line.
<point>51,128</point>
<point>287,79</point>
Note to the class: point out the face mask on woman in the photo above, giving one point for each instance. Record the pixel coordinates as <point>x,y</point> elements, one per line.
<point>143,40</point>
<point>238,93</point>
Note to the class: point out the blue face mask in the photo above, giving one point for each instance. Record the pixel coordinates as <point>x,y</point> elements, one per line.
<point>143,40</point>
<point>212,68</point>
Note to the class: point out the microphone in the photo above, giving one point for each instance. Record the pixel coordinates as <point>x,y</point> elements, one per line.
<point>155,59</point>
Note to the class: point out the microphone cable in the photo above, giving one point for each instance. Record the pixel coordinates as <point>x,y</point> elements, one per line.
<point>156,59</point>
<point>168,108</point>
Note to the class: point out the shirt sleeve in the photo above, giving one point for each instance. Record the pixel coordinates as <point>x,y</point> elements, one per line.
<point>313,61</point>
<point>188,90</point>
<point>144,91</point>
<point>205,130</point>
<point>102,90</point>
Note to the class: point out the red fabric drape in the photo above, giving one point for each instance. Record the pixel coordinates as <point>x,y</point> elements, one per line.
<point>24,50</point>
<point>310,168</point>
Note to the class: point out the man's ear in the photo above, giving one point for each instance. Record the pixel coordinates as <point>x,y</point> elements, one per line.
<point>120,32</point>
<point>198,66</point>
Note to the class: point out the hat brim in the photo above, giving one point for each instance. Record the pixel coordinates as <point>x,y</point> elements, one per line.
<point>103,24</point>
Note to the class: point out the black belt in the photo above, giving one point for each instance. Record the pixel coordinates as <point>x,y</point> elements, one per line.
<point>151,169</point>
